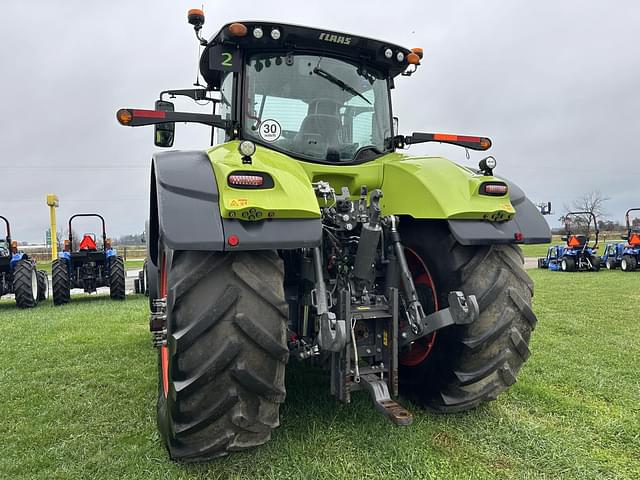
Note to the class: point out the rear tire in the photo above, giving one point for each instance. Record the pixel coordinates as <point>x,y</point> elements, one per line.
<point>628,263</point>
<point>43,285</point>
<point>25,284</point>
<point>541,263</point>
<point>474,363</point>
<point>595,263</point>
<point>116,278</point>
<point>226,352</point>
<point>568,264</point>
<point>60,282</point>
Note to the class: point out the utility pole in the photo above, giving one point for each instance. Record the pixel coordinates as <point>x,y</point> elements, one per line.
<point>52,201</point>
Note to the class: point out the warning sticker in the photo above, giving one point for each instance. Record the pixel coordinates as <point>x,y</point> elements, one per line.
<point>270,130</point>
<point>238,202</point>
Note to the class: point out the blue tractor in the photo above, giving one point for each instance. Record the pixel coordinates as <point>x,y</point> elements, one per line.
<point>612,255</point>
<point>630,257</point>
<point>578,255</point>
<point>18,273</point>
<point>552,260</point>
<point>88,266</point>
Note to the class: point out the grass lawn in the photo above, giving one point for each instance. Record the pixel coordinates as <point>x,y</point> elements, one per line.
<point>77,397</point>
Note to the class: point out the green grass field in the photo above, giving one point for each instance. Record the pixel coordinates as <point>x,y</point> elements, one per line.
<point>77,397</point>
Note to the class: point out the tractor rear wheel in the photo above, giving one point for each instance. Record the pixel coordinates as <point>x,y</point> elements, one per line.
<point>60,282</point>
<point>568,264</point>
<point>43,285</point>
<point>116,278</point>
<point>595,263</point>
<point>467,365</point>
<point>628,263</point>
<point>25,284</point>
<point>221,379</point>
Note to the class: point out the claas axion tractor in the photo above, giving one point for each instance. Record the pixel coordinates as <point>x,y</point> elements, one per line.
<point>18,273</point>
<point>89,266</point>
<point>305,232</point>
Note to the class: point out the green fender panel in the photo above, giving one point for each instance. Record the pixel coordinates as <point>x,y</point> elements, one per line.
<point>434,187</point>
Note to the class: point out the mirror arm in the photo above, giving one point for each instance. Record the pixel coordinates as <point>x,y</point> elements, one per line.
<point>196,94</point>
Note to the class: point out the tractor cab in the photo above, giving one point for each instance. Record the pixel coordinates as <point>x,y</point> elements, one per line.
<point>311,94</point>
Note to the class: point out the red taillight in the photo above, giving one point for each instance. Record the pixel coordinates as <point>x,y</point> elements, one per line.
<point>496,189</point>
<point>518,236</point>
<point>241,180</point>
<point>233,241</point>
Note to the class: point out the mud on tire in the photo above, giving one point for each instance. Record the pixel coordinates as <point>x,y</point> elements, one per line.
<point>226,321</point>
<point>475,363</point>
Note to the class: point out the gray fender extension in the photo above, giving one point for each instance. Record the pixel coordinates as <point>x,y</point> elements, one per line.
<point>185,212</point>
<point>528,220</point>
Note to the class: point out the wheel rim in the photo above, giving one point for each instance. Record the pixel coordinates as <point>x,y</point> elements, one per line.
<point>419,350</point>
<point>34,284</point>
<point>623,264</point>
<point>164,351</point>
<point>563,265</point>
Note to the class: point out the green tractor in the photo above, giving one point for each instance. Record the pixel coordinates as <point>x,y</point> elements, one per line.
<point>304,232</point>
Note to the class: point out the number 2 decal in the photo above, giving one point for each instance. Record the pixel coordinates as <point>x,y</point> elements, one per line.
<point>227,57</point>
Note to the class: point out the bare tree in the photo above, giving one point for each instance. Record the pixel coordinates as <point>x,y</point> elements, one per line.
<point>592,202</point>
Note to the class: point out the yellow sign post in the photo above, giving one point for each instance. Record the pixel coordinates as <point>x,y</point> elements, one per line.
<point>52,201</point>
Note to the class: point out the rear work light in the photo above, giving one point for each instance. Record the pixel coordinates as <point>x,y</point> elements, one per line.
<point>495,189</point>
<point>249,180</point>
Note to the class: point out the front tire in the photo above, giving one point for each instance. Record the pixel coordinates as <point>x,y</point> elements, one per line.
<point>116,278</point>
<point>60,282</point>
<point>221,380</point>
<point>25,284</point>
<point>611,264</point>
<point>471,364</point>
<point>628,263</point>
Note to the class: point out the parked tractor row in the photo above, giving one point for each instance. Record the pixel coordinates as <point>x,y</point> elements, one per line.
<point>88,264</point>
<point>580,255</point>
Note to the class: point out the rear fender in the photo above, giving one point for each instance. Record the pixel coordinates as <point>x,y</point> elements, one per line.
<point>187,208</point>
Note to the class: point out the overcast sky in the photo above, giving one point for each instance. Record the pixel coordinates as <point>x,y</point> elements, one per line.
<point>555,84</point>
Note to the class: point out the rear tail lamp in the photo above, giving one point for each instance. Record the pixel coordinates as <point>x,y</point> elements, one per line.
<point>250,180</point>
<point>494,189</point>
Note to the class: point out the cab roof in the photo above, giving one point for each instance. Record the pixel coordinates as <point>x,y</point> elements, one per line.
<point>297,37</point>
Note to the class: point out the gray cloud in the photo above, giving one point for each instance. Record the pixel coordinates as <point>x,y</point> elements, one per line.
<point>555,84</point>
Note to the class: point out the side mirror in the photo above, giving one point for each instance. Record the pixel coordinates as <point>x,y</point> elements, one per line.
<point>164,133</point>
